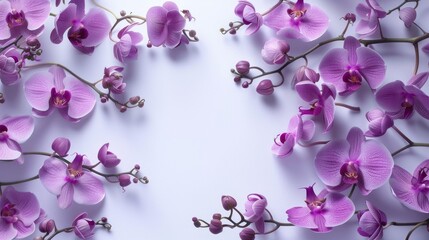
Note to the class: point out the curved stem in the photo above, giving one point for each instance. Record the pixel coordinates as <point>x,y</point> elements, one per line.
<point>313,143</point>
<point>352,191</point>
<point>410,145</point>
<point>19,181</point>
<point>415,228</point>
<point>417,60</point>
<point>400,5</point>
<point>11,44</point>
<point>104,8</point>
<point>407,139</point>
<point>67,230</point>
<point>352,108</point>
<point>129,18</point>
<point>272,8</point>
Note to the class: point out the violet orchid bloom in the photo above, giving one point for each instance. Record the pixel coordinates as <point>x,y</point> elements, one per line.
<point>46,91</point>
<point>321,102</point>
<point>71,182</point>
<point>22,17</point>
<point>255,208</point>
<point>379,122</point>
<point>165,25</point>
<point>83,226</point>
<point>10,65</point>
<point>126,48</point>
<point>85,31</point>
<point>18,212</point>
<point>400,100</point>
<point>297,130</point>
<point>412,190</point>
<point>14,131</point>
<point>246,11</point>
<point>113,80</point>
<point>371,222</point>
<point>275,51</point>
<point>343,163</point>
<point>323,211</point>
<point>298,21</point>
<point>370,14</point>
<point>347,67</point>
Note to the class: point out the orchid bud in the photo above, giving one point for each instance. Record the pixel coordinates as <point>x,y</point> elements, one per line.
<point>215,226</point>
<point>47,226</point>
<point>265,87</point>
<point>228,203</point>
<point>61,146</point>
<point>242,67</point>
<point>350,17</point>
<point>379,123</point>
<point>107,158</point>
<point>197,223</point>
<point>33,42</point>
<point>124,180</point>
<point>134,100</point>
<point>217,216</point>
<point>275,51</point>
<point>247,234</point>
<point>245,85</point>
<point>408,16</point>
<point>305,73</point>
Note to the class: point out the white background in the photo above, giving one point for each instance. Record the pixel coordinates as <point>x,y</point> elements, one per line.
<point>201,136</point>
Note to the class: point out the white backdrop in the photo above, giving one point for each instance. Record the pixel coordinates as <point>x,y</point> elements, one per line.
<point>201,136</point>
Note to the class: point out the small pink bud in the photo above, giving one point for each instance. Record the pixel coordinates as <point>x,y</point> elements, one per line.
<point>61,146</point>
<point>350,17</point>
<point>265,87</point>
<point>215,226</point>
<point>242,67</point>
<point>245,84</point>
<point>47,226</point>
<point>228,203</point>
<point>134,100</point>
<point>217,216</point>
<point>124,180</point>
<point>247,234</point>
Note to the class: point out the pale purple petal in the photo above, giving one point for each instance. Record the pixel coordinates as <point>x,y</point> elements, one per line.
<point>355,139</point>
<point>156,25</point>
<point>26,203</point>
<point>402,188</point>
<point>7,230</point>
<point>36,12</point>
<point>66,196</point>
<point>376,164</point>
<point>23,230</point>
<point>314,23</point>
<point>423,201</point>
<point>63,21</point>
<point>369,226</point>
<point>301,217</point>
<point>260,225</point>
<point>53,174</point>
<point>286,148</point>
<point>333,66</point>
<point>308,130</point>
<point>421,101</point>
<point>425,48</point>
<point>19,128</point>
<point>82,100</point>
<point>308,91</point>
<point>6,153</point>
<point>98,26</point>
<point>59,75</point>
<point>173,39</point>
<point>351,44</point>
<point>328,113</point>
<point>389,97</point>
<point>170,6</point>
<point>419,80</point>
<point>4,28</point>
<point>88,190</point>
<point>329,160</point>
<point>408,15</point>
<point>422,165</point>
<point>371,66</point>
<point>320,221</point>
<point>37,90</point>
<point>339,209</point>
<point>175,21</point>
<point>278,18</point>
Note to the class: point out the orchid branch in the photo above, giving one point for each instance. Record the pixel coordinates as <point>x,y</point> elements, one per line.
<point>408,140</point>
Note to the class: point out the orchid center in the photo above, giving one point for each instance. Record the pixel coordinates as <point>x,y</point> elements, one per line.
<point>9,213</point>
<point>352,79</point>
<point>3,132</point>
<point>15,18</point>
<point>77,34</point>
<point>73,174</point>
<point>281,139</point>
<point>408,104</point>
<point>60,98</point>
<point>296,14</point>
<point>350,172</point>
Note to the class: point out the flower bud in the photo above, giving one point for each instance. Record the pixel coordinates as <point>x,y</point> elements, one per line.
<point>217,216</point>
<point>215,226</point>
<point>371,222</point>
<point>275,51</point>
<point>122,13</point>
<point>228,203</point>
<point>61,146</point>
<point>247,234</point>
<point>350,17</point>
<point>408,16</point>
<point>242,67</point>
<point>379,123</point>
<point>305,73</point>
<point>33,42</point>
<point>47,226</point>
<point>107,158</point>
<point>134,100</point>
<point>124,180</point>
<point>197,223</point>
<point>265,87</point>
<point>245,85</point>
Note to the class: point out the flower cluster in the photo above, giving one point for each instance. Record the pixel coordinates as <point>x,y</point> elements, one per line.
<point>351,161</point>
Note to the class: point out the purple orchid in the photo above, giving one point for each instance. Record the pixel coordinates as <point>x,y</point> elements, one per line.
<point>71,182</point>
<point>400,100</point>
<point>297,130</point>
<point>346,67</point>
<point>10,65</point>
<point>255,208</point>
<point>370,14</point>
<point>113,80</point>
<point>47,91</point>
<point>340,164</point>
<point>14,131</point>
<point>298,21</point>
<point>22,17</point>
<point>83,227</point>
<point>165,25</point>
<point>371,222</point>
<point>86,31</point>
<point>321,102</point>
<point>18,213</point>
<point>323,211</point>
<point>412,190</point>
<point>304,73</point>
<point>275,51</point>
<point>246,11</point>
<point>126,48</point>
<point>379,122</point>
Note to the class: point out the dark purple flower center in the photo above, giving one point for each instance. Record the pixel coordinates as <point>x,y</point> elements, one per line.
<point>353,80</point>
<point>73,175</point>
<point>408,104</point>
<point>9,213</point>
<point>421,183</point>
<point>76,34</point>
<point>15,18</point>
<point>296,14</point>
<point>60,98</point>
<point>315,109</point>
<point>3,132</point>
<point>314,203</point>
<point>281,139</point>
<point>350,172</point>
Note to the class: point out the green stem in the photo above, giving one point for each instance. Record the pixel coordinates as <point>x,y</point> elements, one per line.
<point>414,228</point>
<point>11,44</point>
<point>20,181</point>
<point>410,145</point>
<point>352,191</point>
<point>356,109</point>
<point>104,8</point>
<point>67,230</point>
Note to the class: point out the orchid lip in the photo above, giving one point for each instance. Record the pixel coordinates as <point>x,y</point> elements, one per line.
<point>60,98</point>
<point>15,18</point>
<point>8,213</point>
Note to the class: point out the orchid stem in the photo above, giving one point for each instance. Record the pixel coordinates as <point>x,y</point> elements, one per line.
<point>417,60</point>
<point>414,228</point>
<point>352,191</point>
<point>407,139</point>
<point>11,44</point>
<point>104,8</point>
<point>67,230</point>
<point>313,143</point>
<point>20,181</point>
<point>410,145</point>
<point>352,108</point>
